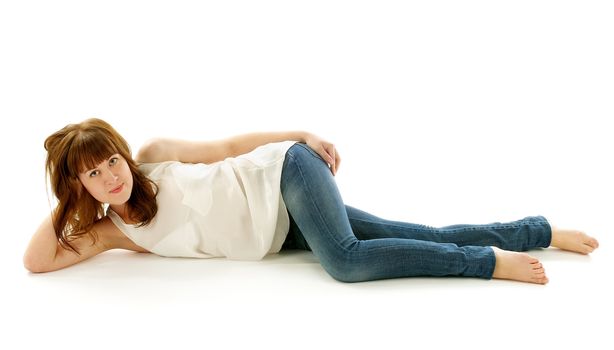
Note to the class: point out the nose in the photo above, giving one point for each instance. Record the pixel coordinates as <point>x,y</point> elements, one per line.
<point>109,177</point>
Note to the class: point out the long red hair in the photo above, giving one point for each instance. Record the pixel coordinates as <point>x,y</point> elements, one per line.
<point>74,149</point>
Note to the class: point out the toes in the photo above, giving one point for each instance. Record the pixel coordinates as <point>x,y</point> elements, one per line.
<point>540,280</point>
<point>543,278</point>
<point>588,240</point>
<point>586,249</point>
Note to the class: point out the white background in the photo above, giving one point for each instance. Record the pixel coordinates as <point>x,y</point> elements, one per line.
<point>444,112</point>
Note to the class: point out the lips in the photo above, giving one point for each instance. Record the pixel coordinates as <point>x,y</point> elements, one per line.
<point>117,189</point>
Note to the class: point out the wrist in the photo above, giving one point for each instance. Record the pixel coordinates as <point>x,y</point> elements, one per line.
<point>304,136</point>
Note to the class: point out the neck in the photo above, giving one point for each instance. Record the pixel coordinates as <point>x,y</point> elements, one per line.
<point>122,211</point>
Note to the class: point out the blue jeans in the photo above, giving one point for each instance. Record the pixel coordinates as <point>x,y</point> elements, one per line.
<point>355,246</point>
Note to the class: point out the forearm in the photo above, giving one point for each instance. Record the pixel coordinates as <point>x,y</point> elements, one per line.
<point>245,143</point>
<point>42,247</point>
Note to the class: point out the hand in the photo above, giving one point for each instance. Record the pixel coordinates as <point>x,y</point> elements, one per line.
<point>326,150</point>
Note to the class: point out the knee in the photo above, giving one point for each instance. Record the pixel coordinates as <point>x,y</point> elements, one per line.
<point>303,152</point>
<point>346,271</point>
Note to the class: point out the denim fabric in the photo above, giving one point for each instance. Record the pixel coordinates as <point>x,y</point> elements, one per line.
<point>354,246</point>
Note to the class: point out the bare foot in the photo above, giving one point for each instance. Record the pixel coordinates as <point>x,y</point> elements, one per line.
<point>518,267</point>
<point>573,240</point>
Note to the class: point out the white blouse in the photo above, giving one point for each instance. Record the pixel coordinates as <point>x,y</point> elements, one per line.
<point>232,208</point>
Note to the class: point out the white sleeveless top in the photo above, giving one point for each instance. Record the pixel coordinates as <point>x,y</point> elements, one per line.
<point>232,208</point>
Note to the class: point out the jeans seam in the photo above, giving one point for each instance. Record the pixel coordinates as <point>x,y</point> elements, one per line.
<point>391,225</point>
<point>454,229</point>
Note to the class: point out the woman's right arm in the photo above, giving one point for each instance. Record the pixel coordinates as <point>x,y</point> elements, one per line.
<point>44,253</point>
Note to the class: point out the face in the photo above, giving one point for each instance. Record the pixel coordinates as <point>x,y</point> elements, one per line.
<point>110,181</point>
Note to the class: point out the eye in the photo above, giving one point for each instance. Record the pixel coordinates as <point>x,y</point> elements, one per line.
<point>94,173</point>
<point>113,161</point>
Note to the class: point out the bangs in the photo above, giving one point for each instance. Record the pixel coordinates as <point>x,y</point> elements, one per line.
<point>88,150</point>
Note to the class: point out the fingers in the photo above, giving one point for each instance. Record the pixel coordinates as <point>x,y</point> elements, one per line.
<point>329,156</point>
<point>327,151</point>
<point>333,158</point>
<point>337,160</point>
<point>333,164</point>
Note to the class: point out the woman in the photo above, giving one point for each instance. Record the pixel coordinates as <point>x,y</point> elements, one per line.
<point>253,195</point>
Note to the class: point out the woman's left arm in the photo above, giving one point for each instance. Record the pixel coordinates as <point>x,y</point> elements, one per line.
<point>162,149</point>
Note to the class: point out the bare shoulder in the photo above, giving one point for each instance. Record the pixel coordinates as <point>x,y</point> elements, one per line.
<point>108,237</point>
<point>112,237</point>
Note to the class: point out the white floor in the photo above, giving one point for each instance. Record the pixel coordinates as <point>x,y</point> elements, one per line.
<point>123,299</point>
<point>444,112</point>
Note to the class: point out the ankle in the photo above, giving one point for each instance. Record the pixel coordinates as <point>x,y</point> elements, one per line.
<point>554,236</point>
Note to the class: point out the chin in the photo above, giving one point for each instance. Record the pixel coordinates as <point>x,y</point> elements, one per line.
<point>120,200</point>
<point>117,201</point>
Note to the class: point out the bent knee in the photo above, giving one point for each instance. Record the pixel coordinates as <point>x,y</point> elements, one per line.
<point>347,272</point>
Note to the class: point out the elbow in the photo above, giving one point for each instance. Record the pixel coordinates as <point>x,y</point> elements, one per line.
<point>34,266</point>
<point>142,154</point>
<point>149,152</point>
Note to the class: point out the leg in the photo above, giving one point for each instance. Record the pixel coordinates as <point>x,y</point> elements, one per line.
<point>520,235</point>
<point>295,239</point>
<point>313,200</point>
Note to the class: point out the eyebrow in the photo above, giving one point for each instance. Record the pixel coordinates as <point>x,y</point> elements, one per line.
<point>87,171</point>
<point>96,168</point>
